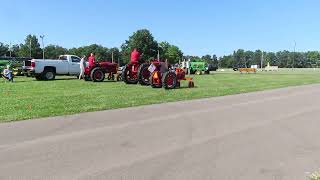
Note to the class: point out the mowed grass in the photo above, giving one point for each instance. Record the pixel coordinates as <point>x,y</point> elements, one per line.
<point>27,98</point>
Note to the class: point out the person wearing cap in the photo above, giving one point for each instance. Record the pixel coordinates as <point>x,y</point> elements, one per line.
<point>7,73</point>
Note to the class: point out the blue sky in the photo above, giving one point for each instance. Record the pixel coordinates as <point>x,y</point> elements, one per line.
<point>197,27</point>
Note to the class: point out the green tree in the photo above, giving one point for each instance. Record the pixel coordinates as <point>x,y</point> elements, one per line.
<point>116,55</point>
<point>313,57</point>
<point>226,61</point>
<point>215,61</point>
<point>257,56</point>
<point>36,51</point>
<point>170,52</point>
<point>53,51</point>
<point>3,49</point>
<point>283,59</point>
<point>144,42</point>
<point>100,52</point>
<point>249,58</point>
<point>15,50</point>
<point>207,58</point>
<point>271,58</point>
<point>239,58</point>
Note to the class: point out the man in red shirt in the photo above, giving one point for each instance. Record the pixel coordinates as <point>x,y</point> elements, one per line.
<point>91,60</point>
<point>135,56</point>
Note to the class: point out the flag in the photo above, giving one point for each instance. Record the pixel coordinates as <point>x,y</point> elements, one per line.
<point>152,68</point>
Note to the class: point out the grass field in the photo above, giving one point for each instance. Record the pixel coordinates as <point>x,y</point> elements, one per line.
<point>27,98</point>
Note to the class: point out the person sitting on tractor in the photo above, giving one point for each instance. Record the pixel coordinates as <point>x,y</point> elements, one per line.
<point>92,60</point>
<point>164,66</point>
<point>135,56</point>
<point>7,74</point>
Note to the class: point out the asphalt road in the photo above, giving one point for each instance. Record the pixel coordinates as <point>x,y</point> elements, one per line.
<point>272,135</point>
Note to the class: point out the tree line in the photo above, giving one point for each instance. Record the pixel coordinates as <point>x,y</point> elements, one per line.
<point>144,41</point>
<point>283,59</point>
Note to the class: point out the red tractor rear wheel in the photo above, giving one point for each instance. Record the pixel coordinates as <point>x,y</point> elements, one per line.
<point>169,80</point>
<point>97,75</point>
<point>144,74</point>
<point>127,75</point>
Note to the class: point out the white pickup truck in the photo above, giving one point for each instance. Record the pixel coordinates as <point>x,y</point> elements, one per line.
<point>47,69</point>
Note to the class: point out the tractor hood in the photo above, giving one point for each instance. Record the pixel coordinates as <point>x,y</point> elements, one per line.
<point>105,63</point>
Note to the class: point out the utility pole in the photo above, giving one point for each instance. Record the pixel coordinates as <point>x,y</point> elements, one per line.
<point>42,37</point>
<point>30,43</point>
<point>112,56</point>
<point>294,54</point>
<point>10,50</point>
<point>261,65</point>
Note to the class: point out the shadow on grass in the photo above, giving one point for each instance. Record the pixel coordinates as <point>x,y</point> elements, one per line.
<point>14,82</point>
<point>106,81</point>
<point>66,79</point>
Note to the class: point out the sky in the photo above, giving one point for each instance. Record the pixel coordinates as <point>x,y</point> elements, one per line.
<point>198,27</point>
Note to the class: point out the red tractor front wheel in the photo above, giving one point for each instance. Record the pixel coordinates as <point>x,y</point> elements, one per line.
<point>169,80</point>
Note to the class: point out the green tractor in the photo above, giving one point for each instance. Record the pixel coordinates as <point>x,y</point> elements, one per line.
<point>197,67</point>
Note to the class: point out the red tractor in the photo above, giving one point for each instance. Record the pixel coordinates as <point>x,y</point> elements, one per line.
<point>169,79</point>
<point>98,72</point>
<point>136,71</point>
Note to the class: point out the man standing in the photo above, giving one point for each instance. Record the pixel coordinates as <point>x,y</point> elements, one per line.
<point>91,60</point>
<point>82,67</point>
<point>188,66</point>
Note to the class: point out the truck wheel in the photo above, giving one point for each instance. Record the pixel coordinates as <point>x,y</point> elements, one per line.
<point>152,81</point>
<point>127,76</point>
<point>144,74</point>
<point>198,72</point>
<point>48,74</point>
<point>28,74</point>
<point>97,75</point>
<point>169,80</point>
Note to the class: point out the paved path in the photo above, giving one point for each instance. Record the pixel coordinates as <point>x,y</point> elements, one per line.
<point>272,135</point>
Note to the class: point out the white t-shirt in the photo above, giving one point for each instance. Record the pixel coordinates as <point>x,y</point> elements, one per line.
<point>82,63</point>
<point>188,64</point>
<point>6,72</point>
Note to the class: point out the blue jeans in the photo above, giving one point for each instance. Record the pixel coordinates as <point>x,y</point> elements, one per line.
<point>9,76</point>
